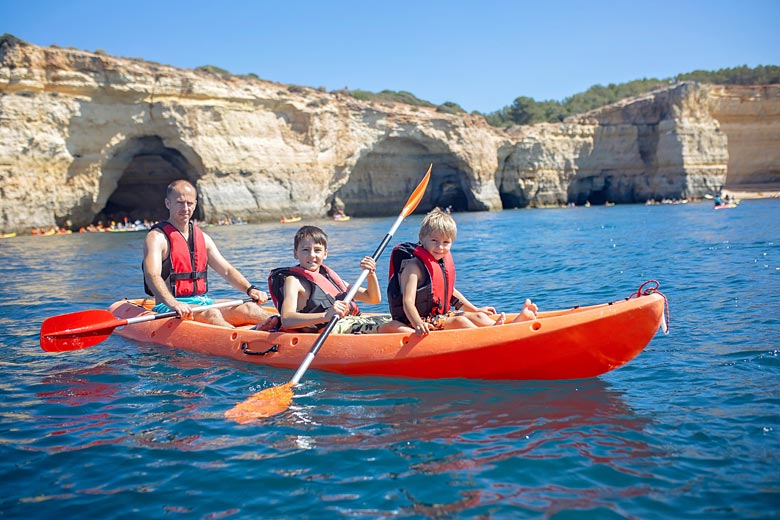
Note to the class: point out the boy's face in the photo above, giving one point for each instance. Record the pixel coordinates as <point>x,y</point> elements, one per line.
<point>437,244</point>
<point>310,254</point>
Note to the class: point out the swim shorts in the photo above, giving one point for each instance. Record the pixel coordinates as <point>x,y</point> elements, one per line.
<point>361,324</point>
<point>189,300</point>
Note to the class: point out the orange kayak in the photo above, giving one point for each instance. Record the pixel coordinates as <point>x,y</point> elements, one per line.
<point>568,344</point>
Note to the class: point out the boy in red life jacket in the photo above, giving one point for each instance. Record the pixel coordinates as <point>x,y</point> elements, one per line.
<point>310,294</point>
<point>422,289</point>
<point>177,255</point>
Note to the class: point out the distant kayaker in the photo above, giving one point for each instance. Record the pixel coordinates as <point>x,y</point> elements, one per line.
<point>310,294</point>
<point>177,255</point>
<point>422,292</point>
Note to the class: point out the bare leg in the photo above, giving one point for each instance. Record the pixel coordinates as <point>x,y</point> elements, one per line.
<point>245,314</point>
<point>460,322</point>
<point>212,317</point>
<point>396,326</point>
<point>478,319</point>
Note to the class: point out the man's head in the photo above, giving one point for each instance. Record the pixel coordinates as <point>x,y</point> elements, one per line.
<point>181,199</point>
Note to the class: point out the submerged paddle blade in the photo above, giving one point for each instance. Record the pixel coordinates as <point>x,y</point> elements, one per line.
<point>417,195</point>
<point>265,403</point>
<point>77,330</point>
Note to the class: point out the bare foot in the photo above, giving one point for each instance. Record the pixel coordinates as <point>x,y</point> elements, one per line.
<point>501,319</point>
<point>528,313</point>
<point>270,323</point>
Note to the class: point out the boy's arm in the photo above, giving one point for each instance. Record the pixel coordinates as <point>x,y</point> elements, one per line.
<point>372,293</point>
<point>409,276</point>
<point>289,313</point>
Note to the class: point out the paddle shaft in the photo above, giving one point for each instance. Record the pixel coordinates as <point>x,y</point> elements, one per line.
<point>348,298</point>
<point>107,326</point>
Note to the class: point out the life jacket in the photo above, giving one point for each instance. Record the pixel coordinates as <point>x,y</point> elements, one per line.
<point>325,288</point>
<point>433,295</point>
<point>185,268</point>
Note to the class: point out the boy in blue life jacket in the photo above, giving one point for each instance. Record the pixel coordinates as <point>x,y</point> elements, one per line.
<point>421,291</point>
<point>310,294</point>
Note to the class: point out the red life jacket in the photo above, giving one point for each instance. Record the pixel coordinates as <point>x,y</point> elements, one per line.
<point>185,269</point>
<point>326,287</point>
<point>433,295</point>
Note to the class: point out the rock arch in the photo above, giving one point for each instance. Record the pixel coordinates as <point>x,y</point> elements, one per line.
<point>137,175</point>
<point>381,181</point>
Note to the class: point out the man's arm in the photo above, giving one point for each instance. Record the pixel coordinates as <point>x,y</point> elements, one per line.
<point>222,267</point>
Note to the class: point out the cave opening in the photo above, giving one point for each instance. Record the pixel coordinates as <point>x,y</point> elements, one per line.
<point>383,178</point>
<point>145,168</point>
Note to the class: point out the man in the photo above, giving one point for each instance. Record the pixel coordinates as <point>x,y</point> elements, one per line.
<point>177,255</point>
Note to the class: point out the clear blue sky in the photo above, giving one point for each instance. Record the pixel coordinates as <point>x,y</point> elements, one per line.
<point>481,54</point>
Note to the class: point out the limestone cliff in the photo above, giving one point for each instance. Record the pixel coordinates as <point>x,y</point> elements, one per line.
<point>85,136</point>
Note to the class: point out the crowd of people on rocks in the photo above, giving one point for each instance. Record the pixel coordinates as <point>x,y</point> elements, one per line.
<point>122,224</point>
<point>119,224</point>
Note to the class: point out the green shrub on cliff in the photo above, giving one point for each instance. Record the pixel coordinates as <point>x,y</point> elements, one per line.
<point>527,111</point>
<point>387,95</point>
<point>213,69</point>
<point>448,107</point>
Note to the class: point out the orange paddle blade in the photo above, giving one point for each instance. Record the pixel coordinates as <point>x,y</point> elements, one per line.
<point>417,195</point>
<point>264,403</point>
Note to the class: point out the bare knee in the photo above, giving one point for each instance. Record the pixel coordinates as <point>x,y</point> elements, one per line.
<point>209,316</point>
<point>395,326</point>
<point>459,322</point>
<point>480,319</point>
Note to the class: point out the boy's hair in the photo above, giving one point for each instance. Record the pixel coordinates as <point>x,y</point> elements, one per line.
<point>313,233</point>
<point>438,220</point>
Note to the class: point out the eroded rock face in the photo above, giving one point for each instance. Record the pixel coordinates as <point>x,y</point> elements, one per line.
<point>662,145</point>
<point>750,117</point>
<point>85,136</point>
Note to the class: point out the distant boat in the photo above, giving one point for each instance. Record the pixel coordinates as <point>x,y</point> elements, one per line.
<point>288,220</point>
<point>340,217</point>
<point>8,235</point>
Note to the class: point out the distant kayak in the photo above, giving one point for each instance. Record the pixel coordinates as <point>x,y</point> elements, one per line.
<point>289,220</point>
<point>341,218</point>
<point>565,344</point>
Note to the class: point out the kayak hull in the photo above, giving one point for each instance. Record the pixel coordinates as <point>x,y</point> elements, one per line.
<point>569,344</point>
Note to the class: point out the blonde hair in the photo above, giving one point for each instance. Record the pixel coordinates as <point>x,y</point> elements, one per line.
<point>438,220</point>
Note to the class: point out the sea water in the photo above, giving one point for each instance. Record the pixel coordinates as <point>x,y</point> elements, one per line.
<point>688,429</point>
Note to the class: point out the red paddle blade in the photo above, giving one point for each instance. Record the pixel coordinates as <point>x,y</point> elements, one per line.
<point>77,330</point>
<point>264,403</point>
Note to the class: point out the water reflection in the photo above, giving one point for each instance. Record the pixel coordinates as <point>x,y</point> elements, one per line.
<point>510,433</point>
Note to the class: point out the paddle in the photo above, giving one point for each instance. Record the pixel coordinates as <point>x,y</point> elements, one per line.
<point>83,329</point>
<point>277,399</point>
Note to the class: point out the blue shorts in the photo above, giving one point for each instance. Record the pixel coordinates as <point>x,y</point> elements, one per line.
<point>189,300</point>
